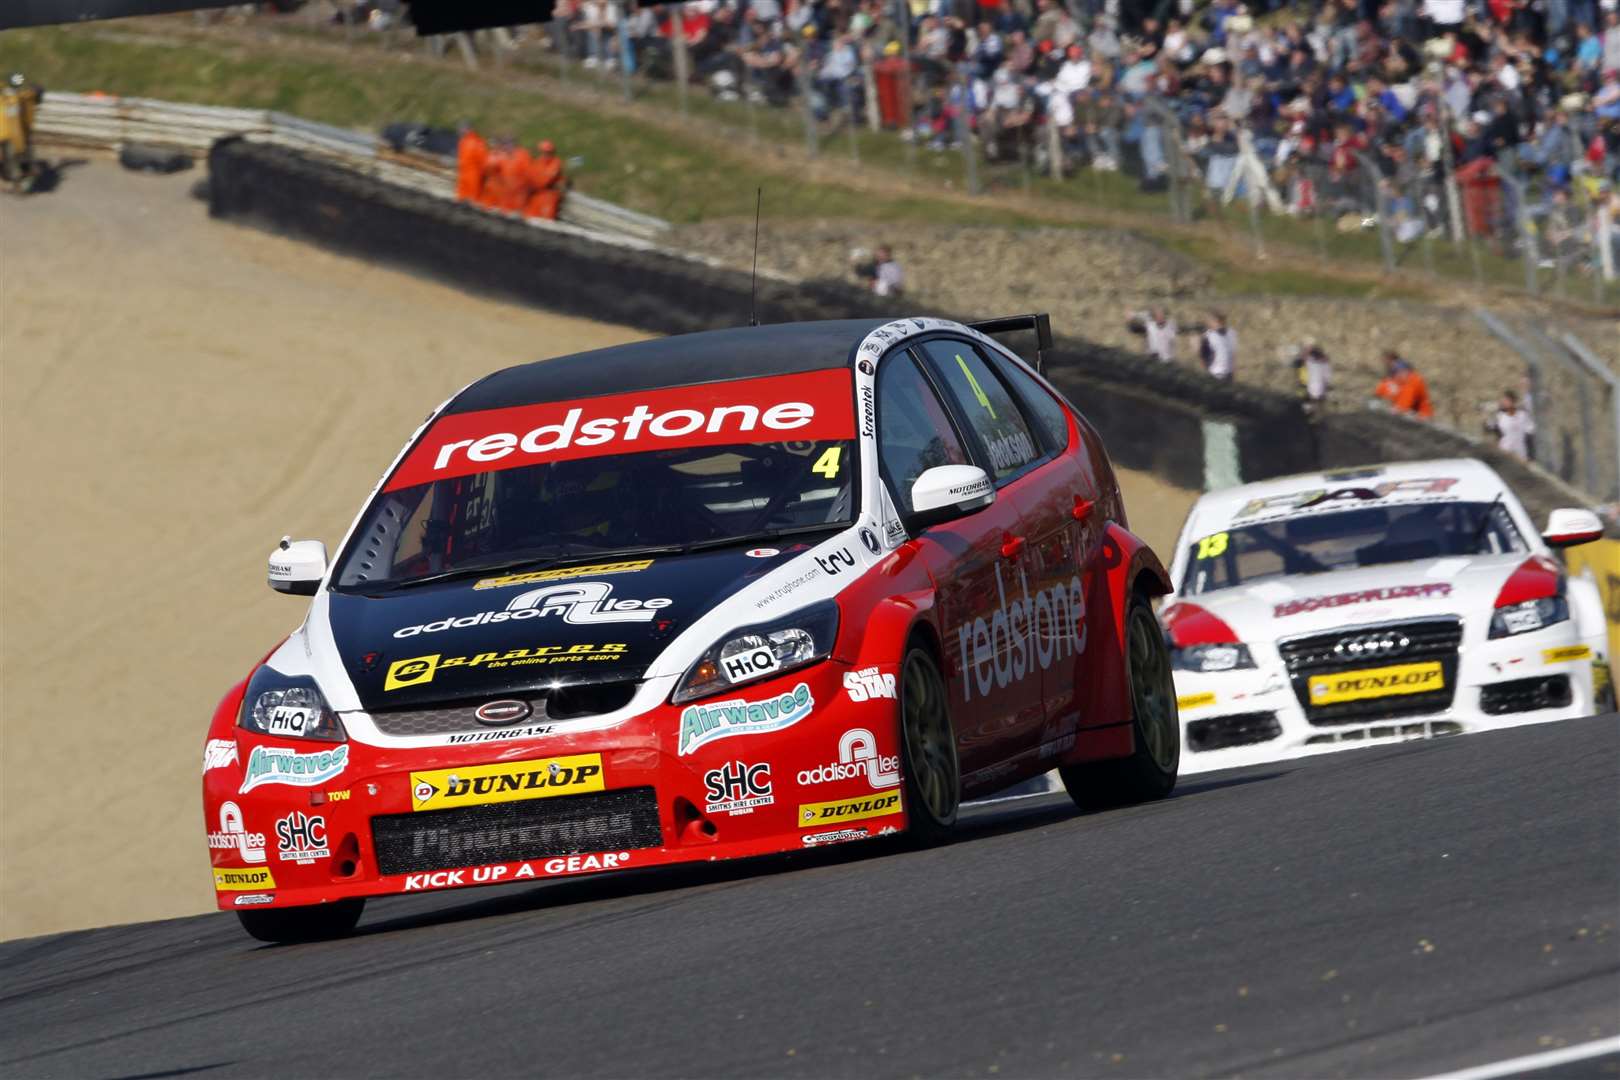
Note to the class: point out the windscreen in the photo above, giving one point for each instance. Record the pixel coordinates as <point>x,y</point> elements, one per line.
<point>667,470</point>
<point>1346,540</point>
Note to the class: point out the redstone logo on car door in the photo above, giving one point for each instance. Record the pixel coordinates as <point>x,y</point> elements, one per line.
<point>811,406</point>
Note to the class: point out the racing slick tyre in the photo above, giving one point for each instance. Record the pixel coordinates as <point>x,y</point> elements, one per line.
<point>295,924</point>
<point>1150,771</point>
<point>933,778</point>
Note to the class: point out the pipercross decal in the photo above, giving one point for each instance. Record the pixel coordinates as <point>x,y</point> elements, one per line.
<point>233,835</point>
<point>857,756</point>
<point>282,765</point>
<point>838,811</point>
<point>474,785</point>
<point>583,603</point>
<point>812,406</point>
<point>422,669</point>
<point>703,724</point>
<point>1021,636</point>
<point>1363,596</point>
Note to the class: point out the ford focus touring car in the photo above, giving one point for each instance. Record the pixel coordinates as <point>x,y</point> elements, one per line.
<point>1315,613</point>
<point>713,596</point>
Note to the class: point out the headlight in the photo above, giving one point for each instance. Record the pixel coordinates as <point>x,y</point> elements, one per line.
<point>288,706</point>
<point>755,652</point>
<point>1528,616</point>
<point>1211,658</point>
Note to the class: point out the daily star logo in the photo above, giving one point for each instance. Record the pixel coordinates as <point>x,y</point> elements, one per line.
<point>584,603</point>
<point>811,406</point>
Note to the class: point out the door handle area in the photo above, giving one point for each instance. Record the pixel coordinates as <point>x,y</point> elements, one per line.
<point>1082,508</point>
<point>1011,546</point>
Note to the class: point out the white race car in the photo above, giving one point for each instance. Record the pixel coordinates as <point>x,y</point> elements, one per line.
<point>1330,610</point>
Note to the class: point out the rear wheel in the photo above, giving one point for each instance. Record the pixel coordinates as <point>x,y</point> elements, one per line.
<point>933,779</point>
<point>318,923</point>
<point>1150,771</point>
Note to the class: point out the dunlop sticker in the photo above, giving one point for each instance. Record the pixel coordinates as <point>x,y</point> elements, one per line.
<point>838,811</point>
<point>1565,653</point>
<point>257,879</point>
<point>1377,682</point>
<point>1195,701</point>
<point>509,781</point>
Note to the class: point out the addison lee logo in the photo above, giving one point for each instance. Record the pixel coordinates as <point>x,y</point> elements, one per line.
<point>581,603</point>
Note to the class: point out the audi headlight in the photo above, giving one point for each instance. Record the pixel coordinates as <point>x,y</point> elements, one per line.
<point>289,706</point>
<point>757,652</point>
<point>1528,616</point>
<point>1207,658</point>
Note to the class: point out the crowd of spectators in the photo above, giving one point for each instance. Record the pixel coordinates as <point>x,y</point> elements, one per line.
<point>1323,94</point>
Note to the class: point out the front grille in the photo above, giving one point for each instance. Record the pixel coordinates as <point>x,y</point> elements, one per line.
<point>1328,654</point>
<point>1423,729</point>
<point>1526,695</point>
<point>561,703</point>
<point>1239,729</point>
<point>513,831</point>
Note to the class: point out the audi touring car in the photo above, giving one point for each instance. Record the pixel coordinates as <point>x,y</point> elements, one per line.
<point>713,596</point>
<point>1321,612</point>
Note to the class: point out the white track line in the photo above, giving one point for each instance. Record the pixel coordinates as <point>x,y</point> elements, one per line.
<point>1533,1062</point>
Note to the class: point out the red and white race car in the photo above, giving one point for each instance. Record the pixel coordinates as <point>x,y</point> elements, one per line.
<point>1318,612</point>
<point>711,596</point>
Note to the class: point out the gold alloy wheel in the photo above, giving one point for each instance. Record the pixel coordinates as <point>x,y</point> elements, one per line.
<point>1153,690</point>
<point>930,743</point>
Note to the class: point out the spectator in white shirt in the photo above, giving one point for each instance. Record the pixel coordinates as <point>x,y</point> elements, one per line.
<point>1159,329</point>
<point>1511,426</point>
<point>1527,405</point>
<point>1315,374</point>
<point>1218,347</point>
<point>882,275</point>
<point>1075,74</point>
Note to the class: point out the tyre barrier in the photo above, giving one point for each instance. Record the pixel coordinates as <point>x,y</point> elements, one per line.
<point>1172,421</point>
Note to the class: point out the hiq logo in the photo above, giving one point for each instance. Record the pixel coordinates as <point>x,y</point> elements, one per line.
<point>747,665</point>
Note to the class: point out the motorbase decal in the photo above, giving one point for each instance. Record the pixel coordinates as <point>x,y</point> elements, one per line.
<point>508,781</point>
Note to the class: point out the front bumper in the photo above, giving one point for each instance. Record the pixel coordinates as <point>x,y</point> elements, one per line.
<point>583,799</point>
<point>1236,718</point>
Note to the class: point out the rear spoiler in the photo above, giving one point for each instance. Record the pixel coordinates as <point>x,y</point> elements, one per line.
<point>1041,323</point>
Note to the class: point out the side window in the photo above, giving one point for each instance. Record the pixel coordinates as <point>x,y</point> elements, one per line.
<point>989,409</point>
<point>914,431</point>
<point>1043,407</point>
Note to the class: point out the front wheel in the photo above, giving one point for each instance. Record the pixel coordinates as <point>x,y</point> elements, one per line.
<point>320,922</point>
<point>933,778</point>
<point>1150,772</point>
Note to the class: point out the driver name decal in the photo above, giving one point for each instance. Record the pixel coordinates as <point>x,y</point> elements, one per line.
<point>812,406</point>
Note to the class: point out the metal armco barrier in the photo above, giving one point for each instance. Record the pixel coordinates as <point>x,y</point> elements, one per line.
<point>98,121</point>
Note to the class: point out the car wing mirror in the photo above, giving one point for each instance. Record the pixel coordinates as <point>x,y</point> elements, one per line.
<point>297,566</point>
<point>1571,526</point>
<point>946,492</point>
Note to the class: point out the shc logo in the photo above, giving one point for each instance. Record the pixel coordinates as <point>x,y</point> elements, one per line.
<point>301,838</point>
<point>736,788</point>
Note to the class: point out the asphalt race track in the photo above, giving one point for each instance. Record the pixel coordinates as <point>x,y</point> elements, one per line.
<point>1388,912</point>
